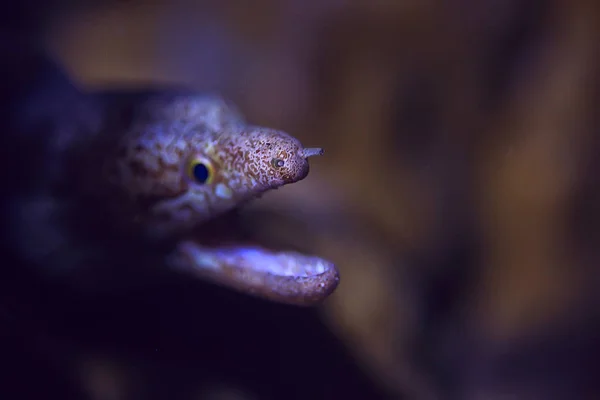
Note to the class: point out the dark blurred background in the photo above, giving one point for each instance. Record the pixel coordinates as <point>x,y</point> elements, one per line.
<point>458,195</point>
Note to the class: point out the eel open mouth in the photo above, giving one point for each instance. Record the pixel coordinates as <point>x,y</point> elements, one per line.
<point>225,252</point>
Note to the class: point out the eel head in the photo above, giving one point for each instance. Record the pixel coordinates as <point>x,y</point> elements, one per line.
<point>180,169</point>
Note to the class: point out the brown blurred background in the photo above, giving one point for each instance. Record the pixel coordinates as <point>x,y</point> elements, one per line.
<point>458,193</point>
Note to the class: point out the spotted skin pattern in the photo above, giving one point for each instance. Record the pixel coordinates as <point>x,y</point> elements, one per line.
<point>150,170</point>
<point>150,165</point>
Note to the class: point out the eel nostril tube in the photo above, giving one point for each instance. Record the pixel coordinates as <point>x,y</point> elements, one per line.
<point>311,151</point>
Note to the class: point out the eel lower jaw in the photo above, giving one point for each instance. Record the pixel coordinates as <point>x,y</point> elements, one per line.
<point>282,276</point>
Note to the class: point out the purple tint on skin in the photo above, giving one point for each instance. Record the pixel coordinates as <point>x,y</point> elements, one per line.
<point>149,180</point>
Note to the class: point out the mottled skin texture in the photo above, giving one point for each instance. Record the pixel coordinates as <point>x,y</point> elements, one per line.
<point>152,164</point>
<point>147,180</point>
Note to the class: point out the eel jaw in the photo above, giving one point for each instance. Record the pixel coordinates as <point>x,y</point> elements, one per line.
<point>217,253</point>
<point>285,277</point>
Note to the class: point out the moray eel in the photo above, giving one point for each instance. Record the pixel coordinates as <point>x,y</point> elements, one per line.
<point>188,159</point>
<point>107,189</point>
<point>179,162</point>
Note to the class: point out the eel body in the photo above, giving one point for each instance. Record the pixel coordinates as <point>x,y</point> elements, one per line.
<point>179,163</point>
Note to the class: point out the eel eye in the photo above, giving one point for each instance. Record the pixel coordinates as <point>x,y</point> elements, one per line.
<point>200,171</point>
<point>277,162</point>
